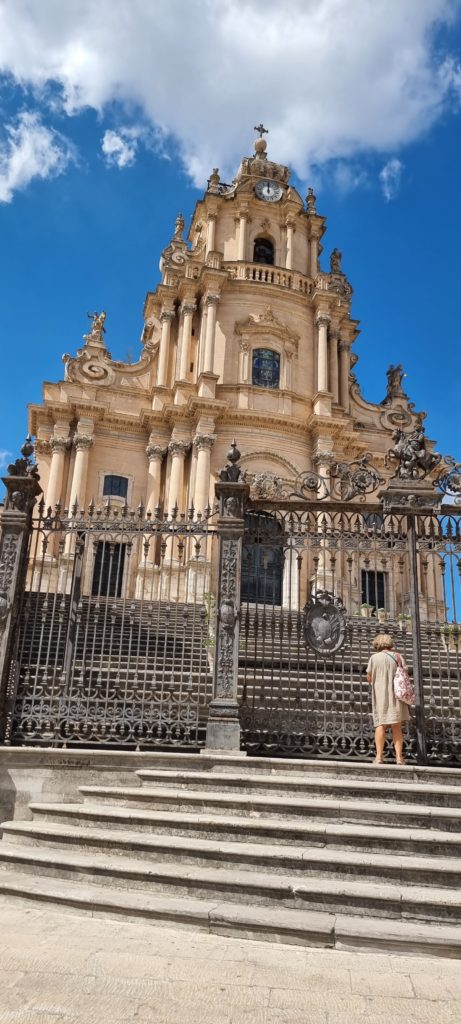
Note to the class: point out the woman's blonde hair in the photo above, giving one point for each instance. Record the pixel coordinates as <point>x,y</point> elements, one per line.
<point>382,642</point>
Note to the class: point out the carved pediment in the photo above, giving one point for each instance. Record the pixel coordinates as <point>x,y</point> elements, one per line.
<point>94,364</point>
<point>267,323</point>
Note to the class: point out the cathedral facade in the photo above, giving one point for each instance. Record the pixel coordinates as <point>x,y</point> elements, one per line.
<point>246,335</point>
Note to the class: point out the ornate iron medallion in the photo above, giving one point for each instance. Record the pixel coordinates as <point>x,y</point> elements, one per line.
<point>324,623</point>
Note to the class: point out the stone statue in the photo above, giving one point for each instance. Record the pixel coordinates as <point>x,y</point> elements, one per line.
<point>413,460</point>
<point>179,226</point>
<point>97,327</point>
<point>335,262</point>
<point>395,375</point>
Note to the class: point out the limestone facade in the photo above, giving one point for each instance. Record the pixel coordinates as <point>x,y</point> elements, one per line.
<point>245,335</point>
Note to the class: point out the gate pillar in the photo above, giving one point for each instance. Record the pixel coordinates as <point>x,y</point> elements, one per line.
<point>22,488</point>
<point>223,728</point>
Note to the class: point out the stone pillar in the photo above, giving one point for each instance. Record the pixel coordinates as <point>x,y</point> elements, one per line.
<point>166,318</point>
<point>344,365</point>
<point>314,263</point>
<point>223,729</point>
<point>290,229</point>
<point>82,443</point>
<point>188,310</point>
<point>242,240</point>
<point>178,451</point>
<point>203,444</point>
<point>155,454</point>
<point>333,364</point>
<point>22,486</point>
<point>212,304</point>
<point>322,352</point>
<point>210,232</point>
<point>54,493</point>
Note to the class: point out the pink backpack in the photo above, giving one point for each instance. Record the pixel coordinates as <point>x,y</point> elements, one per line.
<point>403,685</point>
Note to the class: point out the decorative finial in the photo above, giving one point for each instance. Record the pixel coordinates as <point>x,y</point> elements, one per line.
<point>311,200</point>
<point>232,472</point>
<point>261,129</point>
<point>179,226</point>
<point>213,180</point>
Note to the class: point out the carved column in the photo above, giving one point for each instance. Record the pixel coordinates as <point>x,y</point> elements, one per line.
<point>314,252</point>
<point>166,318</point>
<point>210,232</point>
<point>242,239</point>
<point>22,487</point>
<point>54,491</point>
<point>322,352</point>
<point>82,444</point>
<point>212,304</point>
<point>178,451</point>
<point>344,365</point>
<point>203,444</point>
<point>290,228</point>
<point>188,310</point>
<point>333,364</point>
<point>223,729</point>
<point>155,454</point>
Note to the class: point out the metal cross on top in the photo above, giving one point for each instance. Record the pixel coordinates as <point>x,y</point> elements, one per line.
<point>261,129</point>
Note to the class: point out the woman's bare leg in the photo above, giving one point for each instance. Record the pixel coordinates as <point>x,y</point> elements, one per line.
<point>397,737</point>
<point>380,737</point>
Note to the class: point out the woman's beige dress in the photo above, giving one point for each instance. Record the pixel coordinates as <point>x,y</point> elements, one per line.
<point>387,710</point>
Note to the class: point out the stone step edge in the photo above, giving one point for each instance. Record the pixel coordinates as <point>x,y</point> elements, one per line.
<point>299,782</point>
<point>294,927</point>
<point>275,802</point>
<point>277,886</point>
<point>236,852</point>
<point>195,821</point>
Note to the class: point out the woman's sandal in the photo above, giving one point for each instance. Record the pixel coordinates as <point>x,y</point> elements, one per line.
<point>401,762</point>
<point>376,761</point>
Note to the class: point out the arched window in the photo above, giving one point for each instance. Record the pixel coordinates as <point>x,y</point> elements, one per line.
<point>263,251</point>
<point>266,368</point>
<point>115,486</point>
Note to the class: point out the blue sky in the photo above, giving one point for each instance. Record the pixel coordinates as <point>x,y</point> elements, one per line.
<point>110,126</point>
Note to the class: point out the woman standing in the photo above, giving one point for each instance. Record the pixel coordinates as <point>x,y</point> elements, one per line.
<point>387,710</point>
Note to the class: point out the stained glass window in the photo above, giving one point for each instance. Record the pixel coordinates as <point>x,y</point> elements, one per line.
<point>266,368</point>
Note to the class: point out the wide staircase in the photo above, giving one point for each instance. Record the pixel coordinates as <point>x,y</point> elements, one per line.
<point>311,853</point>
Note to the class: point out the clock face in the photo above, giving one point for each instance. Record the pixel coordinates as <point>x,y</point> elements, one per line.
<point>268,190</point>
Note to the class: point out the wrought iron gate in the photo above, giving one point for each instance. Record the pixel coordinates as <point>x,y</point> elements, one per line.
<point>303,700</point>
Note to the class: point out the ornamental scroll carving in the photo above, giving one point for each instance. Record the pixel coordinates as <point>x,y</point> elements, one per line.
<point>227,617</point>
<point>8,562</point>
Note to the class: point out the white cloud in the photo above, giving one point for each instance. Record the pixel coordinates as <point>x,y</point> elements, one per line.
<point>5,457</point>
<point>390,177</point>
<point>30,150</point>
<point>333,78</point>
<point>119,148</point>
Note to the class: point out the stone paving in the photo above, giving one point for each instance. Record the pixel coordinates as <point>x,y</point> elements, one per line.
<point>75,969</point>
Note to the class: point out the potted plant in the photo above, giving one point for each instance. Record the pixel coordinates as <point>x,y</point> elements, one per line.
<point>451,637</point>
<point>382,615</point>
<point>366,610</point>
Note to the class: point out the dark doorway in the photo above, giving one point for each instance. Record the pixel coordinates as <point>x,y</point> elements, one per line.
<point>108,570</point>
<point>262,564</point>
<point>373,588</point>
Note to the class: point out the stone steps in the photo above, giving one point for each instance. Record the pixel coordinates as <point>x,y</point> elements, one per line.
<point>258,857</point>
<point>255,830</point>
<point>307,852</point>
<point>302,928</point>
<point>345,810</point>
<point>398,789</point>
<point>365,898</point>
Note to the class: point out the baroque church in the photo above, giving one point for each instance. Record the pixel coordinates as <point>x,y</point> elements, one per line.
<point>244,336</point>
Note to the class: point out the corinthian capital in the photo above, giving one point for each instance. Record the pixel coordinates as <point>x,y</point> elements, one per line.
<point>179,448</point>
<point>155,452</point>
<point>42,447</point>
<point>82,442</point>
<point>59,444</point>
<point>204,442</point>
<point>211,300</point>
<point>167,315</point>
<point>322,319</point>
<point>189,307</point>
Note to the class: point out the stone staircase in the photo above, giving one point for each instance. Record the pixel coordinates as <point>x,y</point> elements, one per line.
<point>308,852</point>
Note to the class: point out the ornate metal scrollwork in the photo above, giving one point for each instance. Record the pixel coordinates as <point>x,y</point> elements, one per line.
<point>309,483</point>
<point>449,481</point>
<point>352,479</point>
<point>324,623</point>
